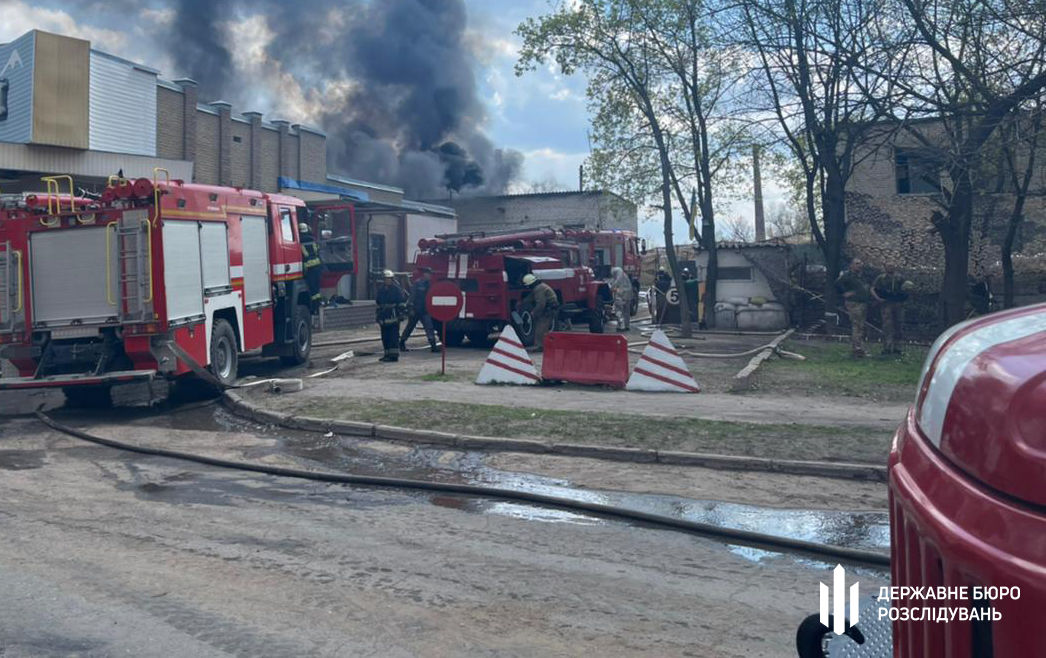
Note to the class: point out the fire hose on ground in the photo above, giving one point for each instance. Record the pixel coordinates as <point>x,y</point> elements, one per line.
<point>732,535</point>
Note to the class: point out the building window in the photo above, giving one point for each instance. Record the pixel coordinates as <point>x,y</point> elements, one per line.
<point>734,274</point>
<point>3,99</point>
<point>916,172</point>
<point>377,252</point>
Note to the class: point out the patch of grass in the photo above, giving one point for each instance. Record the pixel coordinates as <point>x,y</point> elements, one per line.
<point>689,434</point>
<point>830,370</point>
<point>439,377</point>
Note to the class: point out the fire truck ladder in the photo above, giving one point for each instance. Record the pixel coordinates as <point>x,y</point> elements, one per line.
<point>10,286</point>
<point>134,246</point>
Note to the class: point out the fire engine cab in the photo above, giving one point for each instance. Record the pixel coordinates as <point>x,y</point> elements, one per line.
<point>151,279</point>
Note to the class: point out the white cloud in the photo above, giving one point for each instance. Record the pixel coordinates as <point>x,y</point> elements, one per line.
<point>546,164</point>
<point>561,95</point>
<point>20,17</point>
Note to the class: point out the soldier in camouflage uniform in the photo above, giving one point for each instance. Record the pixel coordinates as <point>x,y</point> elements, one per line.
<point>891,290</point>
<point>856,296</point>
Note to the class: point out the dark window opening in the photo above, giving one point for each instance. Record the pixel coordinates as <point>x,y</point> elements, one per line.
<point>377,252</point>
<point>734,274</point>
<point>3,99</point>
<point>916,172</point>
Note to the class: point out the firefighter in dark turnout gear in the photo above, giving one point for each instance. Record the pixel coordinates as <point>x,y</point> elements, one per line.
<point>543,305</point>
<point>392,307</point>
<point>311,264</point>
<point>419,312</point>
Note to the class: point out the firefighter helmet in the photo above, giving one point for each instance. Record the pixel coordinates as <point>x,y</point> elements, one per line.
<point>529,279</point>
<point>303,228</point>
<point>388,274</point>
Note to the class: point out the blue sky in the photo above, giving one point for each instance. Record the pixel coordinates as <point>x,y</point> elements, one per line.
<point>542,113</point>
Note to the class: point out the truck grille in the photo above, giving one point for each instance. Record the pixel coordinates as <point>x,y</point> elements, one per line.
<point>917,562</point>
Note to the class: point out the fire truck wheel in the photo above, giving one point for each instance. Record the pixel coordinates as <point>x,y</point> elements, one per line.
<point>525,328</point>
<point>595,322</point>
<point>479,338</point>
<point>302,339</point>
<point>85,397</point>
<point>224,356</point>
<point>455,338</point>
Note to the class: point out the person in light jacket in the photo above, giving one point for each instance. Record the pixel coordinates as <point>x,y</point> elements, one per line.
<point>621,287</point>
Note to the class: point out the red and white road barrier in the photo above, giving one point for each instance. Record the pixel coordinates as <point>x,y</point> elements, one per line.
<point>660,369</point>
<point>508,362</point>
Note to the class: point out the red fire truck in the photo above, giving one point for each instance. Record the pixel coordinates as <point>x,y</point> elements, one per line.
<point>152,279</point>
<point>968,491</point>
<point>490,269</point>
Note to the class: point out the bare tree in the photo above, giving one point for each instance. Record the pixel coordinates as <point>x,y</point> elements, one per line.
<point>818,64</point>
<point>608,41</point>
<point>737,229</point>
<point>968,65</point>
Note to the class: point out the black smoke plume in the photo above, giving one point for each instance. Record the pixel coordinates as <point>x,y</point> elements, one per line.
<point>411,117</point>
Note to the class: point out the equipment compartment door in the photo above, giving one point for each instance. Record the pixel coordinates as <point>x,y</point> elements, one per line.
<point>257,288</point>
<point>70,271</point>
<point>182,274</point>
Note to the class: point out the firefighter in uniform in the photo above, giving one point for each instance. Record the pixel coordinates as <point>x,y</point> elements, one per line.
<point>311,264</point>
<point>856,295</point>
<point>891,290</point>
<point>392,307</point>
<point>419,312</point>
<point>662,284</point>
<point>543,305</point>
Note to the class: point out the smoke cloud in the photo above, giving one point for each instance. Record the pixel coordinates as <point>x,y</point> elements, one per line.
<point>391,82</point>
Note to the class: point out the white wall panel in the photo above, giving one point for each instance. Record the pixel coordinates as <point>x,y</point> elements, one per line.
<point>122,116</point>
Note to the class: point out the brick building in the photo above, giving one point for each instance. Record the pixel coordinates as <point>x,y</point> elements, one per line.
<point>894,191</point>
<point>67,108</point>
<point>596,209</point>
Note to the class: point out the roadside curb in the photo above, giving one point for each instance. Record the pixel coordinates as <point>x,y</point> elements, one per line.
<point>846,471</point>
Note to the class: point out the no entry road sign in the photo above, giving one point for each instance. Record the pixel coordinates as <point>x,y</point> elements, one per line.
<point>443,304</point>
<point>444,301</point>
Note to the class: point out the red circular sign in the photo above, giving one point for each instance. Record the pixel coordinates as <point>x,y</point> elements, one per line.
<point>444,301</point>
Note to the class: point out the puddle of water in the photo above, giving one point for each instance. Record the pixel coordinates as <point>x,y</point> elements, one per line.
<point>868,530</point>
<point>21,460</point>
<point>865,530</point>
<point>543,514</point>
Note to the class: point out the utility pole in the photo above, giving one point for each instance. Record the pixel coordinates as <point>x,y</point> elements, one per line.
<point>760,220</point>
<point>581,178</point>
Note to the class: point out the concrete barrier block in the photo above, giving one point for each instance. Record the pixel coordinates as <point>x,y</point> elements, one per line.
<point>308,423</point>
<point>352,428</point>
<point>507,445</point>
<point>605,452</point>
<point>413,436</point>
